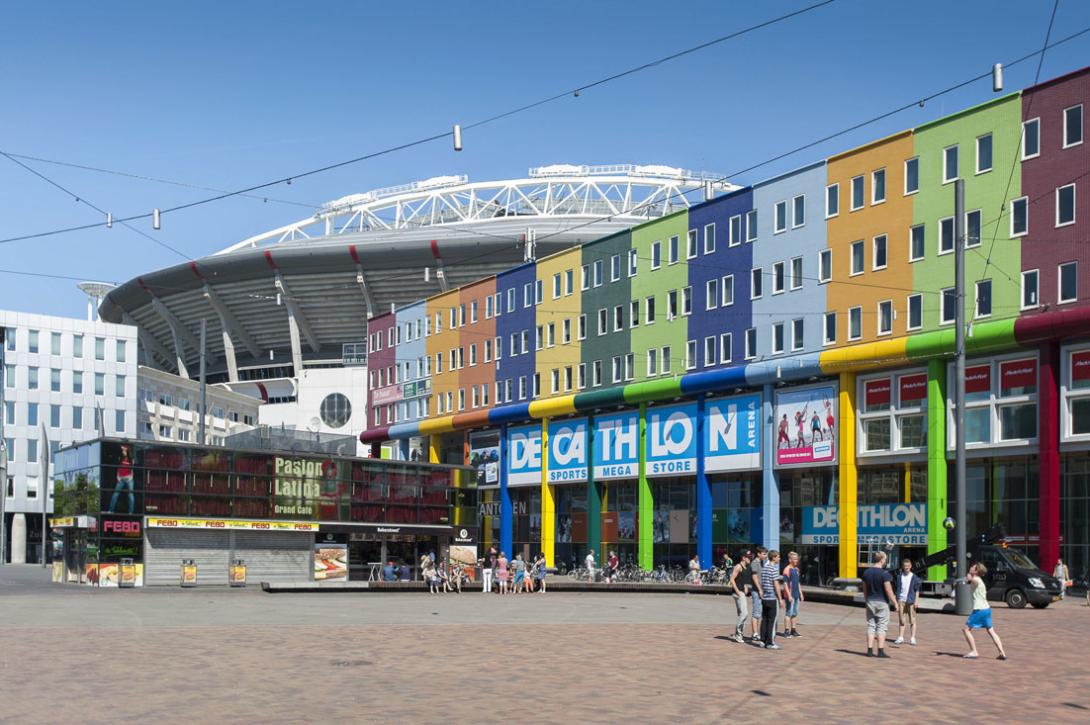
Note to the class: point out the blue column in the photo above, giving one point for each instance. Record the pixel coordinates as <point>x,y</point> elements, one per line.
<point>506,518</point>
<point>770,484</point>
<point>403,448</point>
<point>703,494</point>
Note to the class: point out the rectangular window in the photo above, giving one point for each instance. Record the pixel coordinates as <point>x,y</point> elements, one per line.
<point>756,278</point>
<point>581,329</point>
<point>972,229</point>
<point>511,304</point>
<point>1031,138</point>
<point>569,282</point>
<point>119,386</point>
<point>614,268</point>
<point>649,310</point>
<point>798,211</point>
<point>879,248</point>
<point>709,238</point>
<point>726,292</point>
<point>55,416</point>
<point>1068,281</point>
<point>77,418</point>
<point>119,421</point>
<point>912,176</point>
<point>585,277</point>
<point>539,337</point>
<point>555,380</point>
<point>885,317</point>
<point>55,381</point>
<point>671,304</point>
<point>946,235</point>
<point>725,347</point>
<point>825,265</point>
<point>581,375</point>
<point>557,286</point>
<point>798,338</point>
<point>674,249</point>
<point>691,247</point>
<point>550,334</point>
<point>32,379</point>
<point>9,376</point>
<point>858,192</point>
<point>751,343</point>
<point>1073,126</point>
<point>832,200</point>
<point>633,262</point>
<point>878,186</point>
<point>666,360</point>
<point>916,242</point>
<point>751,225</point>
<point>1029,289</point>
<point>796,273</point>
<point>565,328</point>
<point>984,298</point>
<point>32,415</point>
<point>709,351</point>
<point>629,366</point>
<point>599,272</point>
<point>915,312</point>
<point>474,307</point>
<point>949,306</point>
<point>55,344</point>
<point>32,341</point>
<point>596,373</point>
<point>488,307</point>
<point>1019,216</point>
<point>618,318</point>
<point>487,355</point>
<point>777,278</point>
<point>9,339</point>
<point>652,362</point>
<point>603,321</point>
<point>711,294</point>
<point>949,163</point>
<point>686,301</point>
<point>634,313</point>
<point>779,217</point>
<point>855,323</point>
<point>618,369</point>
<point>527,299</point>
<point>538,292</point>
<point>656,255</point>
<point>1065,205</point>
<point>859,253</point>
<point>690,354</point>
<point>984,153</point>
<point>735,232</point>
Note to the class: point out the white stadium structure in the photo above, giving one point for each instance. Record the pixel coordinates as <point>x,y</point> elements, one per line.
<point>286,311</point>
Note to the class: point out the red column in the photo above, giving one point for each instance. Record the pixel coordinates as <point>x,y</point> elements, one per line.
<point>1048,436</point>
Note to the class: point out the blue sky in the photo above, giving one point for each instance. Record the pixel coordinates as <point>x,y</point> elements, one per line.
<point>231,94</point>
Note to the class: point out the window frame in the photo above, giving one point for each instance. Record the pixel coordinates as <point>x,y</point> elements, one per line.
<point>832,191</point>
<point>726,282</point>
<point>977,315</point>
<point>874,252</point>
<point>1059,282</point>
<point>874,175</point>
<point>957,164</point>
<point>858,244</point>
<point>1036,123</point>
<point>915,161</point>
<point>779,278</point>
<point>1036,274</point>
<point>991,152</point>
<point>918,297</point>
<point>795,201</point>
<point>857,310</point>
<point>825,270</point>
<point>780,207</point>
<point>1074,204</point>
<point>709,248</point>
<point>756,283</point>
<point>942,306</point>
<point>794,281</point>
<point>752,222</point>
<point>862,179</point>
<point>1010,210</point>
<point>1082,124</point>
<point>878,322</point>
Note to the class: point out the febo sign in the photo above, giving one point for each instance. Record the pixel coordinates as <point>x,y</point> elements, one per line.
<point>524,456</point>
<point>616,446</point>
<point>899,523</point>
<point>732,433</point>
<point>568,450</point>
<point>671,440</point>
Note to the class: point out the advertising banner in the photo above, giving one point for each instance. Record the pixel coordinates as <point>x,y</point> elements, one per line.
<point>1016,376</point>
<point>913,389</point>
<point>898,524</point>
<point>524,456</point>
<point>109,575</point>
<point>732,433</point>
<point>330,562</point>
<point>616,446</point>
<point>978,379</point>
<point>876,394</point>
<point>1080,369</point>
<point>178,523</point>
<point>671,440</point>
<point>484,457</point>
<point>568,450</point>
<point>805,420</point>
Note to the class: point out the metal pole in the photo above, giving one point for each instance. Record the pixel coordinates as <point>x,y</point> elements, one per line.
<point>204,389</point>
<point>45,489</point>
<point>962,602</point>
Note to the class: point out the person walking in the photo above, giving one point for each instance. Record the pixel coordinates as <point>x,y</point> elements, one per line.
<point>755,592</point>
<point>1060,572</point>
<point>770,597</point>
<point>906,585</point>
<point>612,565</point>
<point>792,592</point>
<point>694,570</point>
<point>740,581</point>
<point>981,618</point>
<point>542,570</point>
<point>488,565</point>
<point>878,596</point>
<point>501,573</point>
<point>589,562</point>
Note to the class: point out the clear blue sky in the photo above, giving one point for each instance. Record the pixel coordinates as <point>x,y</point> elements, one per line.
<point>231,94</point>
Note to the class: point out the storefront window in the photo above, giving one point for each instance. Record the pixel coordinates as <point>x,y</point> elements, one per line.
<point>1075,388</point>
<point>1000,402</point>
<point>892,417</point>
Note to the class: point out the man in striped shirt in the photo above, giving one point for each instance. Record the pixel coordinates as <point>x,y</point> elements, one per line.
<point>770,597</point>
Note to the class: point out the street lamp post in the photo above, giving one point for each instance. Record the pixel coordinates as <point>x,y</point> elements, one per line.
<point>962,602</point>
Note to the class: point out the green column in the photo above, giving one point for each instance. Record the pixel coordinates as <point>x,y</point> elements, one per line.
<point>594,498</point>
<point>645,548</point>
<point>936,463</point>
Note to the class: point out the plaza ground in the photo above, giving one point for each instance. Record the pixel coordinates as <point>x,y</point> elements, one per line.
<point>71,653</point>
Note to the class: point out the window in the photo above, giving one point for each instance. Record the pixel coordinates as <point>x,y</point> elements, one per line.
<point>603,321</point>
<point>709,239</point>
<point>727,290</point>
<point>9,376</point>
<point>77,418</point>
<point>527,299</point>
<point>487,355</point>
<point>912,176</point>
<point>949,306</point>
<point>946,235</point>
<point>916,241</point>
<point>755,280</point>
<point>1073,126</point>
<point>1068,281</point>
<point>9,444</point>
<point>652,362</point>
<point>879,252</point>
<point>618,318</point>
<point>1065,205</point>
<point>984,298</point>
<point>585,277</point>
<point>649,310</point>
<point>885,317</point>
<point>537,292</point>
<point>566,331</point>
<point>779,217</point>
<point>9,412</point>
<point>667,360</point>
<point>634,313</point>
<point>796,273</point>
<point>599,272</point>
<point>656,255</point>
<point>735,231</point>
<point>32,339</point>
<point>949,163</point>
<point>581,375</point>
<point>798,338</point>
<point>614,268</point>
<point>984,153</point>
<point>825,265</point>
<point>633,262</point>
<point>855,323</point>
<point>686,301</point>
<point>55,381</point>
<point>32,455</point>
<point>569,282</point>
<point>674,249</point>
<point>556,286</point>
<point>777,278</point>
<point>725,347</point>
<point>32,378</point>
<point>550,335</point>
<point>522,387</point>
<point>1029,289</point>
<point>915,312</point>
<point>691,244</point>
<point>539,337</point>
<point>751,225</point>
<point>596,373</point>
<point>972,229</point>
<point>671,304</point>
<point>857,192</point>
<point>798,211</point>
<point>878,186</point>
<point>581,328</point>
<point>119,421</point>
<point>832,200</point>
<point>711,294</point>
<point>751,343</point>
<point>709,350</point>
<point>119,386</point>
<point>629,366</point>
<point>55,344</point>
<point>32,415</point>
<point>9,339</point>
<point>618,369</point>
<point>555,378</point>
<point>488,308</point>
<point>1031,138</point>
<point>473,308</point>
<point>1019,216</point>
<point>858,257</point>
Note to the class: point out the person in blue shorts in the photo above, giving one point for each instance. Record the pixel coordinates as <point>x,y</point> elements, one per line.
<point>981,618</point>
<point>540,572</point>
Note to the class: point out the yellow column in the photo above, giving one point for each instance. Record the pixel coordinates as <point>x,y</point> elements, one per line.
<point>548,503</point>
<point>433,448</point>
<point>849,511</point>
<point>908,483</point>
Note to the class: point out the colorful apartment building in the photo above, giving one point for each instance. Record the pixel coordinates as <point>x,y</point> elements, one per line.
<point>774,365</point>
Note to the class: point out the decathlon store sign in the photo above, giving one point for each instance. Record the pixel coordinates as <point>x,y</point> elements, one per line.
<point>900,523</point>
<point>671,440</point>
<point>524,459</point>
<point>732,433</point>
<point>616,446</point>
<point>568,451</point>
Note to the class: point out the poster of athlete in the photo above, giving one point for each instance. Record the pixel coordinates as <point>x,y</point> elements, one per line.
<point>805,425</point>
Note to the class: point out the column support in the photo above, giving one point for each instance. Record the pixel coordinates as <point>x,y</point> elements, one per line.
<point>770,477</point>
<point>548,502</point>
<point>1048,442</point>
<point>848,503</point>
<point>703,493</point>
<point>936,464</point>
<point>594,497</point>
<point>506,513</point>
<point>645,517</point>
<point>433,448</point>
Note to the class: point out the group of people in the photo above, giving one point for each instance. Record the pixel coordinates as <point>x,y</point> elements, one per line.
<point>611,567</point>
<point>512,576</point>
<point>760,588</point>
<point>440,577</point>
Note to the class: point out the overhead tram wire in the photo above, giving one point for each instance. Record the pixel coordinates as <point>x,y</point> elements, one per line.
<point>435,137</point>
